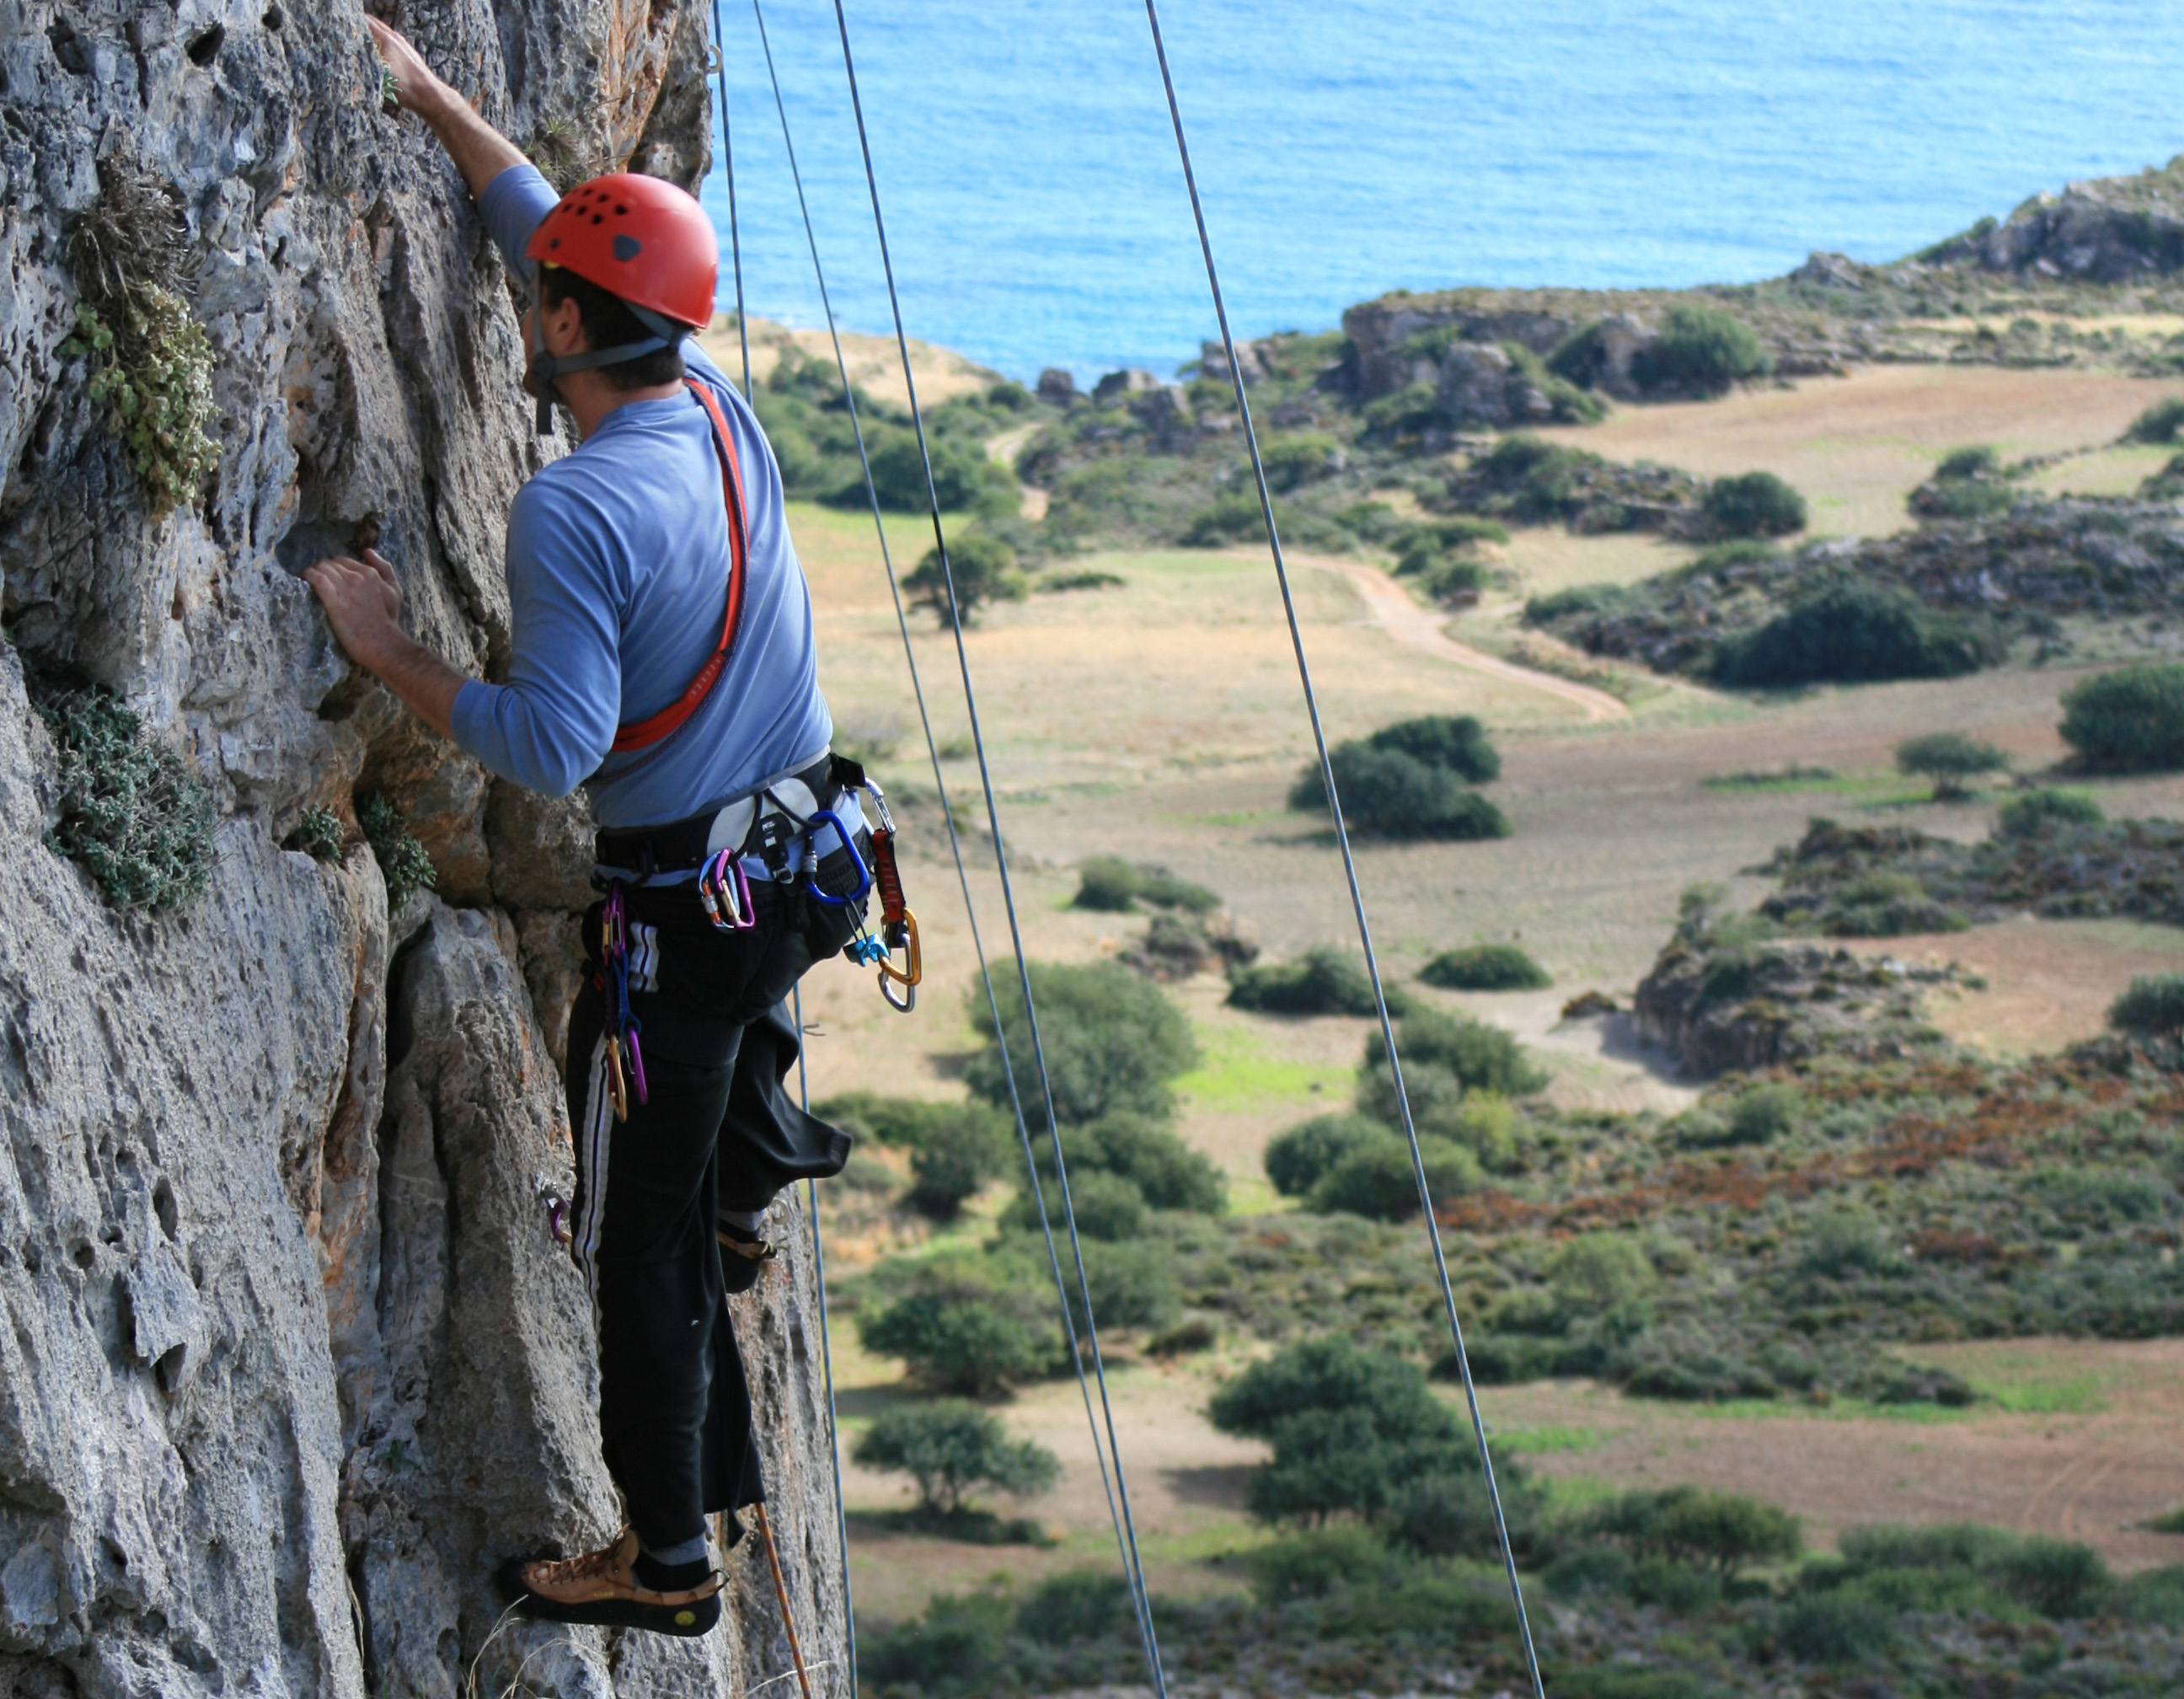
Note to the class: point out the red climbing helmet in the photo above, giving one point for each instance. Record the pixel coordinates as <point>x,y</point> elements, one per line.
<point>638,238</point>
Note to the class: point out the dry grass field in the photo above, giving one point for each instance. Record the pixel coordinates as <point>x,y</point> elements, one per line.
<point>1161,721</point>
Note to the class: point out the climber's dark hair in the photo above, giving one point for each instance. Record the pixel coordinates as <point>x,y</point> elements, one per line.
<point>609,323</point>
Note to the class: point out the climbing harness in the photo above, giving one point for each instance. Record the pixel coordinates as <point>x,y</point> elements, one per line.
<point>1349,860</point>
<point>622,1027</point>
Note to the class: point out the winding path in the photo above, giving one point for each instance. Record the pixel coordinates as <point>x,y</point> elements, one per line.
<point>1420,628</point>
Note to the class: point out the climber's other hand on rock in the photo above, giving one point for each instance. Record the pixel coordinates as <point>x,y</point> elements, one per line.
<point>415,85</point>
<point>363,604</point>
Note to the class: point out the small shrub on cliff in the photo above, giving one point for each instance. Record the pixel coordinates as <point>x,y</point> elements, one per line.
<point>2130,720</point>
<point>1755,504</point>
<point>403,862</point>
<point>319,834</point>
<point>1700,351</point>
<point>132,814</point>
<point>151,374</point>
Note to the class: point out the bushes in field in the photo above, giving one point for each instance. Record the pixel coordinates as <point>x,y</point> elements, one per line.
<point>1968,483</point>
<point>1715,1530</point>
<point>1112,1042</point>
<point>1854,633</point>
<point>2159,423</point>
<point>2154,1006</point>
<point>963,1328</point>
<point>984,571</point>
<point>955,1149</point>
<point>1754,504</point>
<point>2037,812</point>
<point>2131,720</point>
<point>1322,981</point>
<point>948,1448</point>
<point>1699,351</point>
<point>1409,780</point>
<point>1114,886</point>
<point>1948,759</point>
<point>1122,1164</point>
<point>1486,967</point>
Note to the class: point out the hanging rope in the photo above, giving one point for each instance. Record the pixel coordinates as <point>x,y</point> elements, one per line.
<point>826,1358</point>
<point>1349,860</point>
<point>781,1593</point>
<point>1124,1543</point>
<point>1133,1564</point>
<point>728,168</point>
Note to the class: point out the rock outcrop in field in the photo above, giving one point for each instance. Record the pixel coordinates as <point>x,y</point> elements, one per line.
<point>292,1354</point>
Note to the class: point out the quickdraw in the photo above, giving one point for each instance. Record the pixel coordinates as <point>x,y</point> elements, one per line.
<point>898,925</point>
<point>622,1026</point>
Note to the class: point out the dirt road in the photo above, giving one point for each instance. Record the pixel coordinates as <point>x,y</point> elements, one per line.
<point>1420,628</point>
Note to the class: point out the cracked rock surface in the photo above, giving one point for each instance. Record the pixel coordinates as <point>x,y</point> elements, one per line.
<point>292,1358</point>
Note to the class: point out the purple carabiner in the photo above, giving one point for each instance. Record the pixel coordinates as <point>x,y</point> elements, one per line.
<point>637,1063</point>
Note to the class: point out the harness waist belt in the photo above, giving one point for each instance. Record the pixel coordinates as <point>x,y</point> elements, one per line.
<point>683,844</point>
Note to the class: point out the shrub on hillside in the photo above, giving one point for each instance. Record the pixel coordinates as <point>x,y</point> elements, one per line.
<point>1107,1207</point>
<point>2153,1005</point>
<point>1114,886</point>
<point>948,1448</point>
<point>960,1337</point>
<point>1376,1179</point>
<point>1162,1171</point>
<point>1755,504</point>
<point>1948,759</point>
<point>1481,1057</point>
<point>1322,981</point>
<point>2159,423</point>
<point>954,1148</point>
<point>1853,633</point>
<point>962,476</point>
<point>1351,1429</point>
<point>984,570</point>
<point>2130,720</point>
<point>1486,967</point>
<point>1293,459</point>
<point>1296,1160</point>
<point>2040,811</point>
<point>1699,351</point>
<point>1111,1039</point>
<point>1689,1524</point>
<point>1408,781</point>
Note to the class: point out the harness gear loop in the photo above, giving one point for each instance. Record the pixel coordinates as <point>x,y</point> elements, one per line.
<point>781,1593</point>
<point>669,720</point>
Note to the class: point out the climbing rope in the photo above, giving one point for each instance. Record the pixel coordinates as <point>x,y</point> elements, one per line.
<point>781,1593</point>
<point>728,169</point>
<point>1124,1545</point>
<point>1349,860</point>
<point>1132,1563</point>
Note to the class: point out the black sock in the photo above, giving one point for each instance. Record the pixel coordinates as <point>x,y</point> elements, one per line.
<point>669,1578</point>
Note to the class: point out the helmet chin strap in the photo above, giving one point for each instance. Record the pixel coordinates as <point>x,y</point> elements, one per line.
<point>543,367</point>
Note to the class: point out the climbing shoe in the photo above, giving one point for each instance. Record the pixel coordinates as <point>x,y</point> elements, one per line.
<point>742,1255</point>
<point>603,1587</point>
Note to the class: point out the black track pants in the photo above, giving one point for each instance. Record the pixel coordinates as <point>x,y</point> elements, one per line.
<point>717,1131</point>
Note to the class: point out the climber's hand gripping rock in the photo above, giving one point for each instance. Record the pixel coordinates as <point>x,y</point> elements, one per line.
<point>363,602</point>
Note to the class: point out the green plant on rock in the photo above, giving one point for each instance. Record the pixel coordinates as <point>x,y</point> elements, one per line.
<point>403,862</point>
<point>151,376</point>
<point>132,814</point>
<point>319,834</point>
<point>948,1447</point>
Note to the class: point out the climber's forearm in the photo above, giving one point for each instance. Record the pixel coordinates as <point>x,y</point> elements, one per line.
<point>426,685</point>
<point>481,153</point>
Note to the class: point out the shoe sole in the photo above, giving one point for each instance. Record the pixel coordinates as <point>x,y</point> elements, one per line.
<point>685,1621</point>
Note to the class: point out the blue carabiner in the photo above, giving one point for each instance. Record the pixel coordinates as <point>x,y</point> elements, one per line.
<point>841,835</point>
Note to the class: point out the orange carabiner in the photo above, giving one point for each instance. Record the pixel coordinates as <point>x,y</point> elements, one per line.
<point>617,1085</point>
<point>909,975</point>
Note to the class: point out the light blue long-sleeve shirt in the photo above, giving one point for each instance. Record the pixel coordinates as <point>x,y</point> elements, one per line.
<point>618,571</point>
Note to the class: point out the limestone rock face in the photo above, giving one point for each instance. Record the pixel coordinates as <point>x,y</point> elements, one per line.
<point>291,1356</point>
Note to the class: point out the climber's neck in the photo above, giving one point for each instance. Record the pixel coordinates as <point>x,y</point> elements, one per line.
<point>590,397</point>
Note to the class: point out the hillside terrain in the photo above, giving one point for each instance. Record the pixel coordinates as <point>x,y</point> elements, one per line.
<point>1855,1227</point>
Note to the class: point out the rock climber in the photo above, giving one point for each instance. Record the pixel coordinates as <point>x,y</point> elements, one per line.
<point>663,657</point>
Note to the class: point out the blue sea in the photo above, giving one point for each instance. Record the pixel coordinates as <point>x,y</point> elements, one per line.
<point>1347,147</point>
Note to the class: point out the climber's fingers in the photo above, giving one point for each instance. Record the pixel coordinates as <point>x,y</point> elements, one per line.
<point>413,81</point>
<point>377,562</point>
<point>360,606</point>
